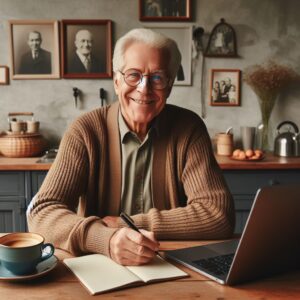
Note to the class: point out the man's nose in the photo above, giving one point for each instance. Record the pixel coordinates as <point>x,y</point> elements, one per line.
<point>144,85</point>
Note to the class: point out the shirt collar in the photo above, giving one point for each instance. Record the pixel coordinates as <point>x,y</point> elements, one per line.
<point>124,130</point>
<point>83,57</point>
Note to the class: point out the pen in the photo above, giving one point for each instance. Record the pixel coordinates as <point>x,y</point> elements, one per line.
<point>131,224</point>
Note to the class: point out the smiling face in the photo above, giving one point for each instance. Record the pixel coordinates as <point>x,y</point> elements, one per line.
<point>34,41</point>
<point>141,104</point>
<point>84,42</point>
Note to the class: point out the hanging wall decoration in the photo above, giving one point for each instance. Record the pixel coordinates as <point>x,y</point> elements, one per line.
<point>222,41</point>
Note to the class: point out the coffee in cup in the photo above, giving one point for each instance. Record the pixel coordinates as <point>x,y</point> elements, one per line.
<point>21,252</point>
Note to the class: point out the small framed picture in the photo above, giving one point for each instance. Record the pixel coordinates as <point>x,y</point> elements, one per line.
<point>34,49</point>
<point>165,10</point>
<point>222,41</point>
<point>182,35</point>
<point>86,48</point>
<point>4,79</point>
<point>225,87</point>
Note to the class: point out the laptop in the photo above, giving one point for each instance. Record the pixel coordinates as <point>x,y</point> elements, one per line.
<point>269,244</point>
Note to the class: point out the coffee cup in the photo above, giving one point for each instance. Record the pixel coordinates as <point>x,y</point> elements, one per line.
<point>20,252</point>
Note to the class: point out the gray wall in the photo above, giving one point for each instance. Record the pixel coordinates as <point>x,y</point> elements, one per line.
<point>264,28</point>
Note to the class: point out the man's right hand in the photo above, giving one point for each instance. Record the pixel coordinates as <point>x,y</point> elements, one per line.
<point>131,248</point>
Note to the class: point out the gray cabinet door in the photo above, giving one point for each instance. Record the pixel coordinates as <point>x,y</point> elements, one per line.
<point>12,215</point>
<point>16,191</point>
<point>244,184</point>
<point>37,178</point>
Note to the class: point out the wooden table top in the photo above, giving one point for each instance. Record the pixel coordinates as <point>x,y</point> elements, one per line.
<point>61,284</point>
<point>226,163</point>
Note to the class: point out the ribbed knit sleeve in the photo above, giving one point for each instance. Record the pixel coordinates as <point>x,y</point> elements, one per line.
<point>209,209</point>
<point>53,211</point>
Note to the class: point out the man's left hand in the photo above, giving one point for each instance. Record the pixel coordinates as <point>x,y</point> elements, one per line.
<point>111,221</point>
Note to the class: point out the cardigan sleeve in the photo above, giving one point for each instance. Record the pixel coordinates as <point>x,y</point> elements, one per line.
<point>209,209</point>
<point>53,211</point>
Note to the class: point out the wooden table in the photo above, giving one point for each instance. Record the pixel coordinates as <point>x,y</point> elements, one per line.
<point>61,284</point>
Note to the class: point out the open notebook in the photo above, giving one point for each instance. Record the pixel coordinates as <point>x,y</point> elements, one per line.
<point>99,273</point>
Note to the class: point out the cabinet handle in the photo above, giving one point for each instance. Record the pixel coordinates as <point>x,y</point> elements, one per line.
<point>274,182</point>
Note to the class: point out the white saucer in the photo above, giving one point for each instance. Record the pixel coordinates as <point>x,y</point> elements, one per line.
<point>42,268</point>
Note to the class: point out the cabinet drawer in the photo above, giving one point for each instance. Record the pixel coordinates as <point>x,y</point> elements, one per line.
<point>12,183</point>
<point>248,182</point>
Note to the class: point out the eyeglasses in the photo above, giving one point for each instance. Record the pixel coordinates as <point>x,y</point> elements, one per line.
<point>158,80</point>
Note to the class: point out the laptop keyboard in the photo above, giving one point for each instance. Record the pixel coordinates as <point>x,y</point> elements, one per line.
<point>218,265</point>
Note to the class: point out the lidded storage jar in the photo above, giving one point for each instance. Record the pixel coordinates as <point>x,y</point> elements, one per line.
<point>224,144</point>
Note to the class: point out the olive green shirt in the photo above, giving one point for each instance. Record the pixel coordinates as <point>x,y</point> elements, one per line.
<point>137,157</point>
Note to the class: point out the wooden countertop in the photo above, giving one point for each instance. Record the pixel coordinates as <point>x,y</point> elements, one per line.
<point>22,164</point>
<point>270,162</point>
<point>62,284</point>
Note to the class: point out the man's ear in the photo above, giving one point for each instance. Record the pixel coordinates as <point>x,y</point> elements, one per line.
<point>169,89</point>
<point>116,84</point>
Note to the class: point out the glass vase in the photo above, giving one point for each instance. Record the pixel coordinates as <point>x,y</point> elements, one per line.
<point>263,132</point>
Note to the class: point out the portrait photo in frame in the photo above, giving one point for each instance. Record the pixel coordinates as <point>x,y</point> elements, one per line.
<point>34,49</point>
<point>86,47</point>
<point>165,10</point>
<point>225,87</point>
<point>182,35</point>
<point>4,78</point>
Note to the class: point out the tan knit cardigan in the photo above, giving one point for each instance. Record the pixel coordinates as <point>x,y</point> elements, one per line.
<point>191,199</point>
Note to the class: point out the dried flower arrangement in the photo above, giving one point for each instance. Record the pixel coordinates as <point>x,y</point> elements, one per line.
<point>267,81</point>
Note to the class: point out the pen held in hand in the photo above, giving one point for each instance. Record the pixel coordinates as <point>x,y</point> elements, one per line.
<point>131,225</point>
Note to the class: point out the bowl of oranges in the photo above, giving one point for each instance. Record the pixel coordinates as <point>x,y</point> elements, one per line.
<point>247,155</point>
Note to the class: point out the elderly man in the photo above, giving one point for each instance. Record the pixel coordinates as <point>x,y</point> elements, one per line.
<point>83,61</point>
<point>151,160</point>
<point>37,60</point>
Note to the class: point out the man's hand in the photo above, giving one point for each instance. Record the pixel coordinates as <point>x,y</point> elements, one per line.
<point>110,221</point>
<point>131,248</point>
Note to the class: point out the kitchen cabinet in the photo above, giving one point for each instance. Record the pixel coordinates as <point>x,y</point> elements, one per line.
<point>16,191</point>
<point>244,184</point>
<point>244,178</point>
<point>20,179</point>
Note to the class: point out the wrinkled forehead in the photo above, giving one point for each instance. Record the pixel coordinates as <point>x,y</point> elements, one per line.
<point>84,35</point>
<point>139,54</point>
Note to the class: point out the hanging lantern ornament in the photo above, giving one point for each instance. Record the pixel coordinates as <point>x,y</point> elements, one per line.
<point>222,41</point>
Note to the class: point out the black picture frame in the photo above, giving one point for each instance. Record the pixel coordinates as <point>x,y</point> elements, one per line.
<point>165,10</point>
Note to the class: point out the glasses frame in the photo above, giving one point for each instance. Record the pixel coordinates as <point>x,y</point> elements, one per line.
<point>142,76</point>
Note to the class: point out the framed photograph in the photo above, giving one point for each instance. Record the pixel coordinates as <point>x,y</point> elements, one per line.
<point>4,75</point>
<point>165,10</point>
<point>34,49</point>
<point>86,48</point>
<point>222,41</point>
<point>225,87</point>
<point>182,35</point>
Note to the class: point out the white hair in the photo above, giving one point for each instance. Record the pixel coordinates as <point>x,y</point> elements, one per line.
<point>151,38</point>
